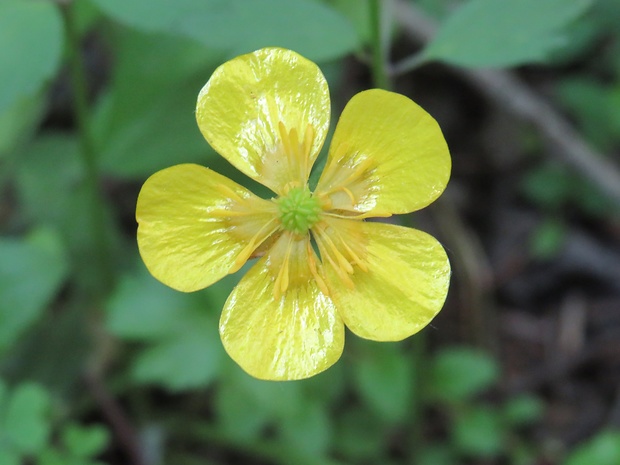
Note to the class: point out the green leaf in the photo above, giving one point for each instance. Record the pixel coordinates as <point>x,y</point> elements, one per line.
<point>9,457</point>
<point>436,454</point>
<point>497,33</point>
<point>146,121</point>
<point>385,380</point>
<point>602,449</point>
<point>523,410</point>
<point>44,198</point>
<point>235,413</point>
<point>184,348</point>
<point>459,373</point>
<point>549,185</point>
<point>309,431</point>
<point>26,422</point>
<point>240,26</point>
<point>31,272</point>
<point>143,309</point>
<point>478,432</point>
<point>595,106</point>
<point>359,14</point>
<point>19,122</point>
<point>183,362</point>
<point>55,351</point>
<point>30,48</point>
<point>52,457</point>
<point>359,437</point>
<point>547,239</point>
<point>85,441</point>
<point>246,405</point>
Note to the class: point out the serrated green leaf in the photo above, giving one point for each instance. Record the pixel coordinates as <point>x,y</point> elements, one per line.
<point>240,26</point>
<point>497,33</point>
<point>602,449</point>
<point>30,48</point>
<point>385,381</point>
<point>26,422</point>
<point>478,432</point>
<point>85,441</point>
<point>31,271</point>
<point>458,373</point>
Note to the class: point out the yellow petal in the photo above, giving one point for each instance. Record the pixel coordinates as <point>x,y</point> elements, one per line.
<point>267,113</point>
<point>387,156</point>
<point>195,226</point>
<point>403,288</point>
<point>282,335</point>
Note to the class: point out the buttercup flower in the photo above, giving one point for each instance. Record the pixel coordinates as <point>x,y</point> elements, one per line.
<point>321,266</point>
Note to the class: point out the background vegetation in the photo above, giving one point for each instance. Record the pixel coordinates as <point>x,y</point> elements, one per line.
<point>101,364</point>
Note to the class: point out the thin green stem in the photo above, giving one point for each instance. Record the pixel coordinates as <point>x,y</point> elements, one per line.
<point>88,149</point>
<point>379,48</point>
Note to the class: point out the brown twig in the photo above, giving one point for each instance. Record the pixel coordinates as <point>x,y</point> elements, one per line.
<point>115,416</point>
<point>509,93</point>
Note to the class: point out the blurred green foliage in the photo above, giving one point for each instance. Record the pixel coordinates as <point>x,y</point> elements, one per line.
<point>488,33</point>
<point>159,350</point>
<point>603,449</point>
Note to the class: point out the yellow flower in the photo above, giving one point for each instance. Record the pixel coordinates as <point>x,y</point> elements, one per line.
<point>268,114</point>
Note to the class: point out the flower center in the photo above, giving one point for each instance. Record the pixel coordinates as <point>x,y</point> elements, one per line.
<point>298,210</point>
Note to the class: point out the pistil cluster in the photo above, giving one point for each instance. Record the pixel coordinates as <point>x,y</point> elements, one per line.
<point>298,210</point>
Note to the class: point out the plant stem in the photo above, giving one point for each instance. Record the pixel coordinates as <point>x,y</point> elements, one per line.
<point>88,149</point>
<point>379,48</point>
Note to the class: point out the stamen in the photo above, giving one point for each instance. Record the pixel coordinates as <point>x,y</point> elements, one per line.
<point>282,280</point>
<point>359,262</point>
<point>343,176</point>
<point>256,240</point>
<point>314,271</point>
<point>308,139</point>
<point>343,272</point>
<point>344,263</point>
<point>350,194</point>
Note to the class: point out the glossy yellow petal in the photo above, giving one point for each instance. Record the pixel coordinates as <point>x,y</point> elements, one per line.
<point>387,156</point>
<point>277,324</point>
<point>267,113</point>
<point>404,286</point>
<point>195,226</point>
